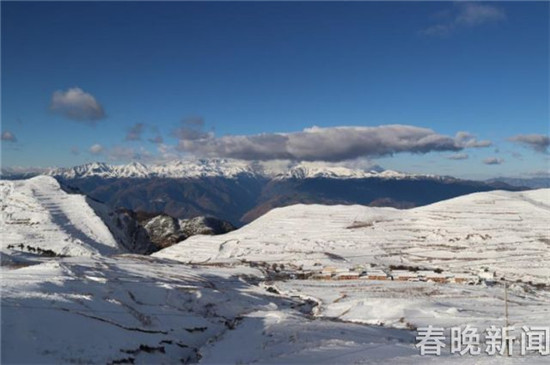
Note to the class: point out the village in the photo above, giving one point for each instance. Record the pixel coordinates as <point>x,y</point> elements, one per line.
<point>392,273</point>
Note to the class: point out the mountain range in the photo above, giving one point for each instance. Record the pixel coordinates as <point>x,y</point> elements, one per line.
<point>240,191</point>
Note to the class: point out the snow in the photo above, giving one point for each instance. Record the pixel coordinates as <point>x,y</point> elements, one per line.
<point>172,169</point>
<point>100,307</point>
<point>178,312</point>
<point>307,170</point>
<point>399,304</point>
<point>100,310</point>
<point>505,232</point>
<point>38,213</point>
<point>216,299</point>
<point>283,338</point>
<point>228,168</point>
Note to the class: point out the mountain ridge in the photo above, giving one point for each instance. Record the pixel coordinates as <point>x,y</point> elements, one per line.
<point>228,168</point>
<point>240,191</point>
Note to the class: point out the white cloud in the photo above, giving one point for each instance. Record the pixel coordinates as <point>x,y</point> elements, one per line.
<point>96,149</point>
<point>468,140</point>
<point>76,104</point>
<point>458,156</point>
<point>8,136</point>
<point>493,161</point>
<point>465,15</point>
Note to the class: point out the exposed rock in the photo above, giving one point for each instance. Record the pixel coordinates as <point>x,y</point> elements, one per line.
<point>127,230</point>
<point>164,230</point>
<point>205,225</point>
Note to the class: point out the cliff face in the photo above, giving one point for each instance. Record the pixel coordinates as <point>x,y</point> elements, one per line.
<point>164,230</point>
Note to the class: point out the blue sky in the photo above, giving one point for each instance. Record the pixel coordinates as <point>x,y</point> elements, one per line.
<point>203,77</point>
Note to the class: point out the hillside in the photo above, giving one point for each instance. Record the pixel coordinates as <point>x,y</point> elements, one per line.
<point>506,232</point>
<point>202,299</point>
<point>39,217</point>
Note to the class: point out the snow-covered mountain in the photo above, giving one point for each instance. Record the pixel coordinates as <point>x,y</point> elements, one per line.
<point>38,216</point>
<point>173,169</point>
<point>313,170</point>
<point>240,191</point>
<point>506,232</point>
<point>228,168</point>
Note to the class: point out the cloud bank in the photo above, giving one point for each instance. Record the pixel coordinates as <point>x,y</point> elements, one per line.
<point>77,105</point>
<point>323,144</point>
<point>538,142</point>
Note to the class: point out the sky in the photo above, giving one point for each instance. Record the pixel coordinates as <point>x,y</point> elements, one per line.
<point>450,88</point>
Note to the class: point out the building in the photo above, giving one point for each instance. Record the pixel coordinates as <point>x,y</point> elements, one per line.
<point>464,279</point>
<point>376,275</point>
<point>329,270</point>
<point>303,275</point>
<point>403,275</point>
<point>350,275</point>
<point>321,276</point>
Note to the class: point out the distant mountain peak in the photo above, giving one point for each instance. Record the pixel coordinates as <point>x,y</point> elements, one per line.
<point>227,168</point>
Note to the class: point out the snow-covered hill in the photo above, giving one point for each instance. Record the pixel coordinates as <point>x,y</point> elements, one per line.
<point>231,309</point>
<point>131,309</point>
<point>506,232</point>
<point>38,216</point>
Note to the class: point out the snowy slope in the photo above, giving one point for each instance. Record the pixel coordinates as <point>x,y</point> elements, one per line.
<point>507,232</point>
<point>37,213</point>
<point>143,310</point>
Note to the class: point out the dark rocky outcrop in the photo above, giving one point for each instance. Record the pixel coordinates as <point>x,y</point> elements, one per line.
<point>164,230</point>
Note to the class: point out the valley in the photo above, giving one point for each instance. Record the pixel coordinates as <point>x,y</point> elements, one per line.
<point>346,284</point>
